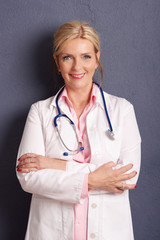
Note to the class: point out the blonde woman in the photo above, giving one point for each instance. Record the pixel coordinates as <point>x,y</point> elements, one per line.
<point>80,150</point>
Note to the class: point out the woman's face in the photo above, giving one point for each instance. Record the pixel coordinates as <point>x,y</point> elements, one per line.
<point>77,63</point>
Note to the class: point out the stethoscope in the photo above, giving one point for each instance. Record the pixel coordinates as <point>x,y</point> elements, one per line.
<point>110,132</point>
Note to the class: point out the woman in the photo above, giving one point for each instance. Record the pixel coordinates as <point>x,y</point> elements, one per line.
<point>79,191</point>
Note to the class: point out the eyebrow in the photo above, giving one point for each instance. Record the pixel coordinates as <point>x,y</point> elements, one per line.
<point>88,53</point>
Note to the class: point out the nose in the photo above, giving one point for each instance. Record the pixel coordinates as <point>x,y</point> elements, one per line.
<point>77,64</point>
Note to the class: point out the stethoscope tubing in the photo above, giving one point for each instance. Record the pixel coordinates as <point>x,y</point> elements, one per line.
<point>110,130</point>
<point>105,107</point>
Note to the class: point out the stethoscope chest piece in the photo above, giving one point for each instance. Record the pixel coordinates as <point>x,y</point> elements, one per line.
<point>110,134</point>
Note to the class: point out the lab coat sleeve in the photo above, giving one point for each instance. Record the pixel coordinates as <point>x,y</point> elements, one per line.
<point>130,147</point>
<point>55,184</point>
<point>81,167</point>
<point>86,168</point>
<point>131,143</point>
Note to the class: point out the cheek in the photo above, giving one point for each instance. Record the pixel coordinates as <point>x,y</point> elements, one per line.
<point>64,68</point>
<point>92,67</point>
<point>93,64</point>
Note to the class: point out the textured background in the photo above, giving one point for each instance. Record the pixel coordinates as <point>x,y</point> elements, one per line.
<point>130,36</point>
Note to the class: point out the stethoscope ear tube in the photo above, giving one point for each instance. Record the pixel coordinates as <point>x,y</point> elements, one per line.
<point>80,149</point>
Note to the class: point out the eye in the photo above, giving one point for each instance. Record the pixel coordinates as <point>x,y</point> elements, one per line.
<point>87,56</point>
<point>66,57</point>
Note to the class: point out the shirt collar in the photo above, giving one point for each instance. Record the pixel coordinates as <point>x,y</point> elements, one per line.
<point>95,96</point>
<point>64,96</point>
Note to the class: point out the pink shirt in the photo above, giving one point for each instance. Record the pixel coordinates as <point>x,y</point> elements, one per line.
<point>81,210</point>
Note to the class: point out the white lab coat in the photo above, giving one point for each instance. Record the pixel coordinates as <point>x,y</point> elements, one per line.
<point>54,192</point>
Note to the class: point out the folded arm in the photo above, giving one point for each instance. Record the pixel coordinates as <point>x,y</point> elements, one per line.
<point>48,176</point>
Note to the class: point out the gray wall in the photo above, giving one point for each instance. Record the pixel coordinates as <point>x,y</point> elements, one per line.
<point>130,36</point>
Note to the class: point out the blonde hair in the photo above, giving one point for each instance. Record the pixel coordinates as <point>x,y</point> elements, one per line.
<point>76,29</point>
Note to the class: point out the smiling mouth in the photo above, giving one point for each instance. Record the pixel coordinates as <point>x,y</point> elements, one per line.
<point>77,76</point>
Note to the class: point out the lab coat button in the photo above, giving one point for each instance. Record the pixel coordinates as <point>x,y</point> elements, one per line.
<point>94,205</point>
<point>92,235</point>
<point>92,129</point>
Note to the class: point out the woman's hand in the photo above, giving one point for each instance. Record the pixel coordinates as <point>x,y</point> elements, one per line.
<point>110,179</point>
<point>32,162</point>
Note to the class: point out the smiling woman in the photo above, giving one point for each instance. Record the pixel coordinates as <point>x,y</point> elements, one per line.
<point>77,30</point>
<point>82,194</point>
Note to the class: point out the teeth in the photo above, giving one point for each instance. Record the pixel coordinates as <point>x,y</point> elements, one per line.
<point>78,75</point>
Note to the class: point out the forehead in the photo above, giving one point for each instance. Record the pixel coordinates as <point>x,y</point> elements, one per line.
<point>78,45</point>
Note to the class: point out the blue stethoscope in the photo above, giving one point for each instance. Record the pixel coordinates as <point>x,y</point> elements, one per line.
<point>110,132</point>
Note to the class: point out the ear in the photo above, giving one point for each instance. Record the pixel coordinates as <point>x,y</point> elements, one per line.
<point>98,57</point>
<point>56,61</point>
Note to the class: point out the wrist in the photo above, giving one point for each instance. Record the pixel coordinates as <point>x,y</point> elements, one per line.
<point>59,164</point>
<point>91,181</point>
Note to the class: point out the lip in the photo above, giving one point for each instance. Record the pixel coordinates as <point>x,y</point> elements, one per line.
<point>77,76</point>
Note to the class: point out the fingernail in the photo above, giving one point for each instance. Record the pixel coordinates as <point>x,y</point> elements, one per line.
<point>135,186</point>
<point>136,172</point>
<point>18,159</point>
<point>19,170</point>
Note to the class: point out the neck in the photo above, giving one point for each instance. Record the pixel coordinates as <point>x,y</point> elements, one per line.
<point>79,98</point>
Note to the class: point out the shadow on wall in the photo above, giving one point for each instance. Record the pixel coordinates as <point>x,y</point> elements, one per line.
<point>14,202</point>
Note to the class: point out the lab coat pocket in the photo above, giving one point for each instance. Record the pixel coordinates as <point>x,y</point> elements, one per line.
<point>45,219</point>
<point>112,146</point>
<point>117,222</point>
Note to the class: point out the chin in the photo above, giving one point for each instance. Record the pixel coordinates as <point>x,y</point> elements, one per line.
<point>80,84</point>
